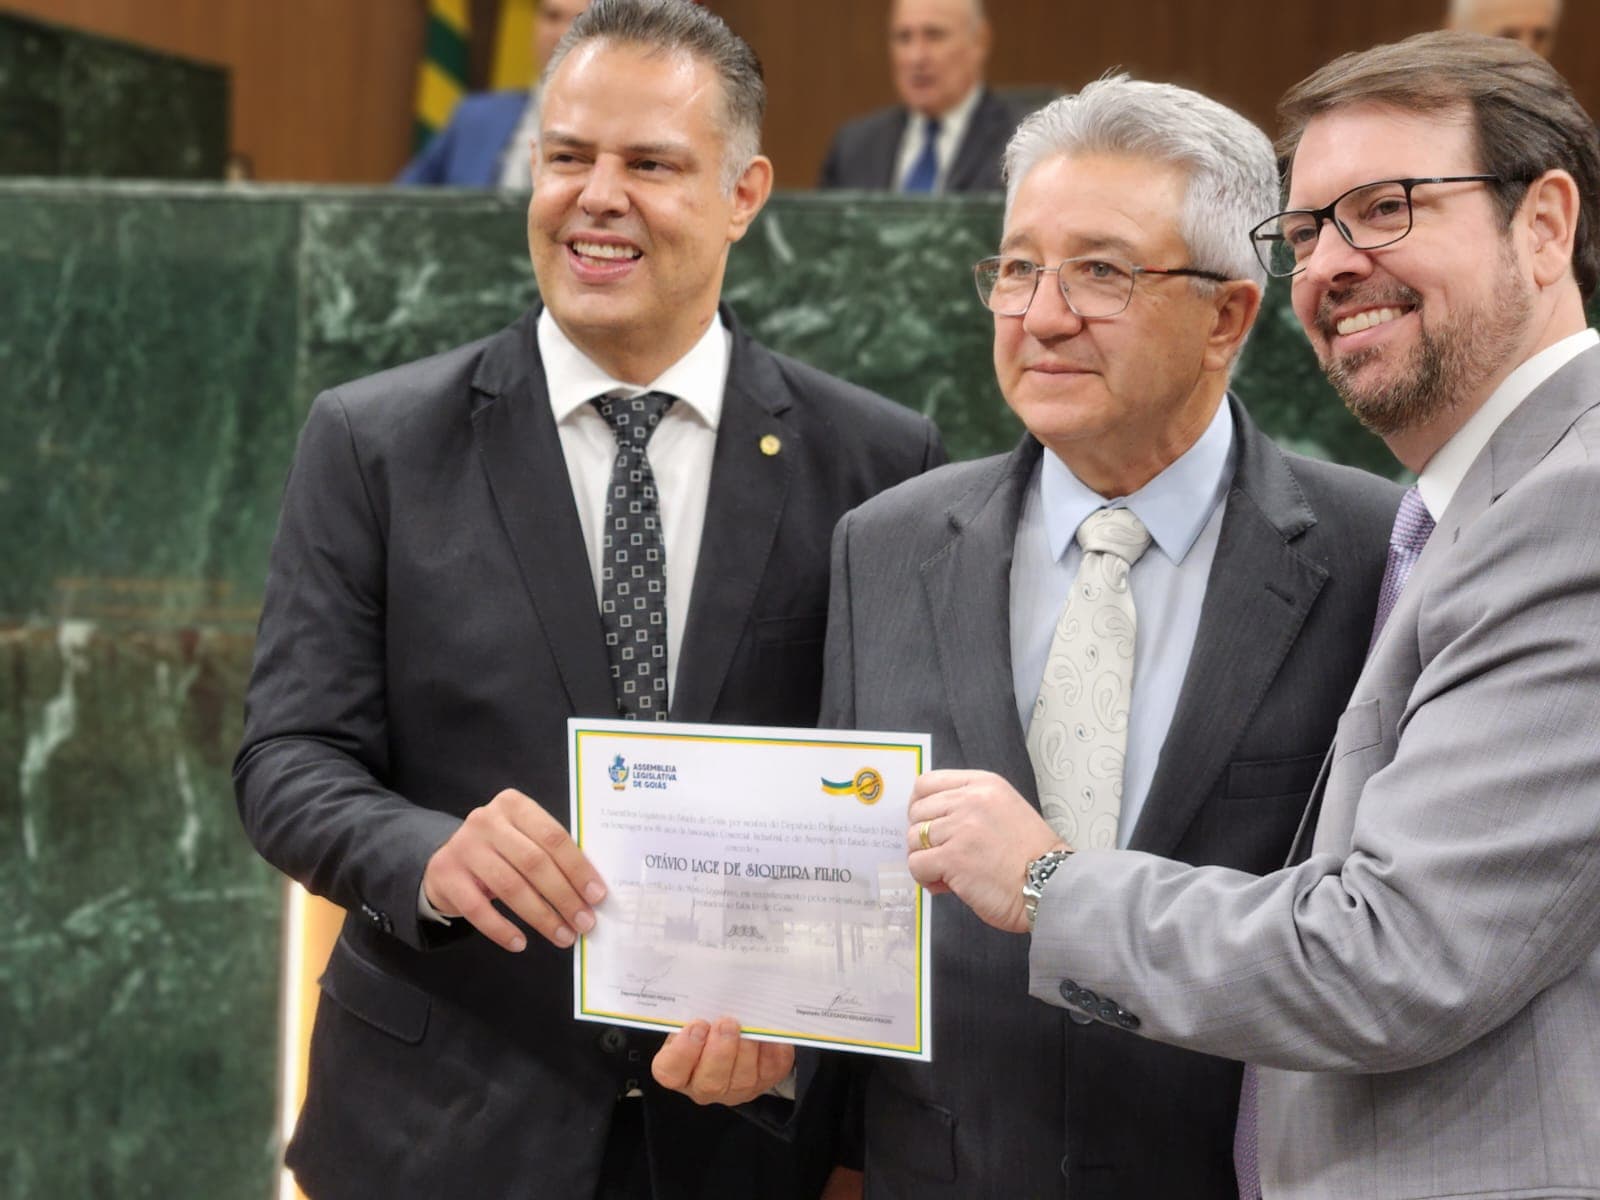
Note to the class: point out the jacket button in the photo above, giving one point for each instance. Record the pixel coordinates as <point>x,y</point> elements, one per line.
<point>613,1040</point>
<point>1126,1019</point>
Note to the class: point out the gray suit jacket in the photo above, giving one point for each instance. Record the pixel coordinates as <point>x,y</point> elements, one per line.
<point>1020,1099</point>
<point>863,151</point>
<point>1427,983</point>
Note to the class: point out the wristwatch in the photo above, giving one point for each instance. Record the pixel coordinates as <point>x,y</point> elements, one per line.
<point>1035,877</point>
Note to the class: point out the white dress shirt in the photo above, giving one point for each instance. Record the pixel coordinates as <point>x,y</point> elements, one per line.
<point>1448,467</point>
<point>952,128</point>
<point>1182,508</point>
<point>680,452</point>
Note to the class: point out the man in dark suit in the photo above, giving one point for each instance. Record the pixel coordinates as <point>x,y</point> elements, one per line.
<point>444,594</point>
<point>948,131</point>
<point>1123,291</point>
<point>485,143</point>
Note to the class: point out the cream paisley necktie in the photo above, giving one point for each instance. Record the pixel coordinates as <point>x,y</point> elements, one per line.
<point>1079,733</point>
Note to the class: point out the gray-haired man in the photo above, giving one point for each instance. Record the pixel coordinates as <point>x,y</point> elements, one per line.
<point>1195,693</point>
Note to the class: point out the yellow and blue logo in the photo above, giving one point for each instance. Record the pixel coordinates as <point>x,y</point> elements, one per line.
<point>618,770</point>
<point>866,786</point>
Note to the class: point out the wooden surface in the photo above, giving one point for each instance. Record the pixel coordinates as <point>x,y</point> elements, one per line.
<point>323,91</point>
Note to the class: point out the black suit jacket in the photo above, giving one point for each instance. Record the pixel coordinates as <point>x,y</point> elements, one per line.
<point>428,627</point>
<point>1020,1100</point>
<point>864,150</point>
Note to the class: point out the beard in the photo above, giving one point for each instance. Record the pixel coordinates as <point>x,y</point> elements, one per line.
<point>1448,365</point>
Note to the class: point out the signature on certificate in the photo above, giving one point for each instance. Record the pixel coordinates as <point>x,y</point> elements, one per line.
<point>842,1002</point>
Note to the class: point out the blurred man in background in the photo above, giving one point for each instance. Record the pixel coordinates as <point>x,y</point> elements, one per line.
<point>948,132</point>
<point>1531,22</point>
<point>486,143</point>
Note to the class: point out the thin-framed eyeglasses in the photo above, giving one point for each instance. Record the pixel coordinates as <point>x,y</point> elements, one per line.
<point>1092,286</point>
<point>1367,217</point>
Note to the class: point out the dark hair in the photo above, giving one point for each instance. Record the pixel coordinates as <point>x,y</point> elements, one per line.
<point>1525,119</point>
<point>666,26</point>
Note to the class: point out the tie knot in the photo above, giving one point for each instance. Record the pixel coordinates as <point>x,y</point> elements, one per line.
<point>1412,524</point>
<point>1114,531</point>
<point>633,418</point>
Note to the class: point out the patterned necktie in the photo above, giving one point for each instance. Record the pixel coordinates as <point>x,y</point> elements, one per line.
<point>925,170</point>
<point>1412,527</point>
<point>1079,732</point>
<point>633,561</point>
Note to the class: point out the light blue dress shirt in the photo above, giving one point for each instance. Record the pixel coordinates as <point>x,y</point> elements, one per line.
<point>1182,508</point>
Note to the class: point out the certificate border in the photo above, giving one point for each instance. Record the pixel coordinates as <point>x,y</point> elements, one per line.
<point>577,730</point>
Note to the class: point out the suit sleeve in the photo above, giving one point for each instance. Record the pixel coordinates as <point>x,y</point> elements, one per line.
<point>309,777</point>
<point>828,177</point>
<point>1472,877</point>
<point>428,166</point>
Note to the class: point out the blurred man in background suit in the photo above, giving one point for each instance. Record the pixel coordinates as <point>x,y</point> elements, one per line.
<point>487,141</point>
<point>621,504</point>
<point>1531,22</point>
<point>948,131</point>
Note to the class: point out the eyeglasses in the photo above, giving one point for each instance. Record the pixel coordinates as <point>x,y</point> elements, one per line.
<point>1368,217</point>
<point>1092,287</point>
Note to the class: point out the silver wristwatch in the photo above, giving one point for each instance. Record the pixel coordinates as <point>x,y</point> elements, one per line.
<point>1035,877</point>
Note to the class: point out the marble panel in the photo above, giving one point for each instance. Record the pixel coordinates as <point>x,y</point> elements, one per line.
<point>30,98</point>
<point>80,105</point>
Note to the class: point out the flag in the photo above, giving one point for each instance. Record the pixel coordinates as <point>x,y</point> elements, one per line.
<point>442,75</point>
<point>513,45</point>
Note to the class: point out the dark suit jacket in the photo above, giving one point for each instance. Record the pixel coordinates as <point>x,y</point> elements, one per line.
<point>864,150</point>
<point>1021,1101</point>
<point>468,151</point>
<point>428,627</point>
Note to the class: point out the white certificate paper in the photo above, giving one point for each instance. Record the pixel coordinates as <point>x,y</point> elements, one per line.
<point>756,873</point>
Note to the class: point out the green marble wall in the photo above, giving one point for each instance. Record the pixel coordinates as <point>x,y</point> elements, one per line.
<point>158,348</point>
<point>75,104</point>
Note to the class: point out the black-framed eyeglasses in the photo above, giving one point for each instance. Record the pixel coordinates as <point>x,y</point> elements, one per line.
<point>1368,217</point>
<point>1093,286</point>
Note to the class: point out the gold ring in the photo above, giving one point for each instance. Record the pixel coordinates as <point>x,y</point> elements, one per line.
<point>922,836</point>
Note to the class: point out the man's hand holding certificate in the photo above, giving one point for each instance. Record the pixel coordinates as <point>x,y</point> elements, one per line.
<point>757,872</point>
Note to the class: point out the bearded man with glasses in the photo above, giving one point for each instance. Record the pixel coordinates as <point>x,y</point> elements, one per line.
<point>1418,992</point>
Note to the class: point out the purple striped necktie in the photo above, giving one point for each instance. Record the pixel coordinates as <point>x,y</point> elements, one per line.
<point>1412,526</point>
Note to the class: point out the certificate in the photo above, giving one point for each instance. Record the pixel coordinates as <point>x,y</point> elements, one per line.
<point>755,873</point>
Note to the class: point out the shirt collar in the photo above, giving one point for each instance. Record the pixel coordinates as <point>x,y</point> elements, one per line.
<point>953,121</point>
<point>697,379</point>
<point>1174,506</point>
<point>1448,467</point>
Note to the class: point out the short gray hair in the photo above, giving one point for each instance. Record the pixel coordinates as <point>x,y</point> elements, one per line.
<point>1233,176</point>
<point>673,26</point>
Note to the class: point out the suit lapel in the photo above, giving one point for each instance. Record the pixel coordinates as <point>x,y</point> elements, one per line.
<point>1528,433</point>
<point>968,588</point>
<point>743,511</point>
<point>1256,601</point>
<point>884,154</point>
<point>527,472</point>
<point>977,143</point>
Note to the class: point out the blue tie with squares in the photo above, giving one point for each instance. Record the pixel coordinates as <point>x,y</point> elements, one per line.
<point>633,561</point>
